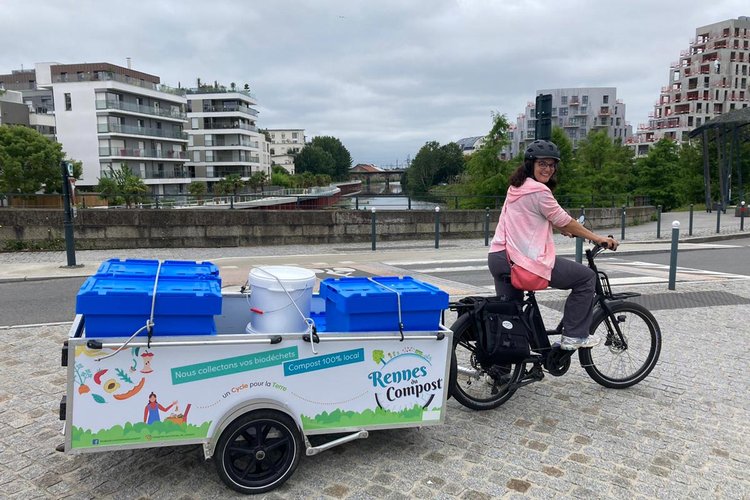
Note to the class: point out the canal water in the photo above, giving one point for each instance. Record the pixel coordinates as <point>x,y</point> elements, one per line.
<point>379,199</point>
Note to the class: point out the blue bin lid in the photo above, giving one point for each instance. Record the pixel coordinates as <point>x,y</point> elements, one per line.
<point>120,295</point>
<point>169,269</point>
<point>357,294</point>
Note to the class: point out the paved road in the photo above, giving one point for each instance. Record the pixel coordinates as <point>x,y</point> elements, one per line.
<point>35,302</point>
<point>682,433</point>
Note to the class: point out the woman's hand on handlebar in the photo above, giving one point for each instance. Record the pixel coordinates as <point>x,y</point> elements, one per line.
<point>607,242</point>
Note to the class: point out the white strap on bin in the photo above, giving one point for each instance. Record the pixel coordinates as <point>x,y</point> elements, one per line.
<point>398,303</point>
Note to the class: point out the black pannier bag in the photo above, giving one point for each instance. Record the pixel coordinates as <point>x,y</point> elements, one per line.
<point>502,330</point>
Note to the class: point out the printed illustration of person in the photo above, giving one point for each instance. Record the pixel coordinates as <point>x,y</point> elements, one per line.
<point>151,412</point>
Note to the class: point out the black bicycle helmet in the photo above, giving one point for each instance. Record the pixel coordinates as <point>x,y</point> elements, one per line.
<point>541,149</point>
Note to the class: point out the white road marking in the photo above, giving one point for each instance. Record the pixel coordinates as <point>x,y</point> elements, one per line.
<point>36,325</point>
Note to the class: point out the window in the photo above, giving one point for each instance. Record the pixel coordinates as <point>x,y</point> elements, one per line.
<point>294,135</point>
<point>605,99</point>
<point>194,125</point>
<point>68,103</point>
<point>564,100</point>
<point>584,99</point>
<point>209,140</point>
<point>563,111</point>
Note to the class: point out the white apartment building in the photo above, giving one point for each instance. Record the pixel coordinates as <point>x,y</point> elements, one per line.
<point>285,143</point>
<point>108,116</point>
<point>577,111</point>
<point>223,137</point>
<point>710,78</point>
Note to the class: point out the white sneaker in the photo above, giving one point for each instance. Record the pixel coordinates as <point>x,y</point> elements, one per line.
<point>573,343</point>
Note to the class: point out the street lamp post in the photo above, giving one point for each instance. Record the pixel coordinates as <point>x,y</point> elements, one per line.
<point>66,169</point>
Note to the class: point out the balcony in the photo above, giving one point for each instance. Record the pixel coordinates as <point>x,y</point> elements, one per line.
<point>110,128</point>
<point>143,153</point>
<point>168,173</point>
<point>135,108</point>
<point>111,76</point>
<point>204,89</point>
<point>230,109</point>
<point>228,126</point>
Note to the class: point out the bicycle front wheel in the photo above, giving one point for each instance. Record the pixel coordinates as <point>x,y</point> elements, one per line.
<point>630,347</point>
<point>475,385</point>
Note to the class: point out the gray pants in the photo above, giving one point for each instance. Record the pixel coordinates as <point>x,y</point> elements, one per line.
<point>566,275</point>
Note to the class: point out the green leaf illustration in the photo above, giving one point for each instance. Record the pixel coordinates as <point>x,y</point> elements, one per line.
<point>98,398</point>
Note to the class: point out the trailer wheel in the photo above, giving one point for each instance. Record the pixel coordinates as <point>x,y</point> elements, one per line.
<point>258,451</point>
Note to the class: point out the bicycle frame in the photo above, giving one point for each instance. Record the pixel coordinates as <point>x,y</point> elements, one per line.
<point>555,360</point>
<point>482,383</point>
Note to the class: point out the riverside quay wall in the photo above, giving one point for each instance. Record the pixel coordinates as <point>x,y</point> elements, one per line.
<point>171,228</point>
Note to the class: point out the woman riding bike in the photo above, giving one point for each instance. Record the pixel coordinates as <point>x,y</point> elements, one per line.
<point>524,237</point>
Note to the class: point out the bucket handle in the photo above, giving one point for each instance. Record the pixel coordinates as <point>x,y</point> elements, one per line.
<point>308,321</point>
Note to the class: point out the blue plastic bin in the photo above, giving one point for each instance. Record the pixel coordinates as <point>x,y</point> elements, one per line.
<point>360,304</point>
<point>118,306</point>
<point>146,268</point>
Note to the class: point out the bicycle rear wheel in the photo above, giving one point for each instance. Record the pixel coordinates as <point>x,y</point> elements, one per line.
<point>620,362</point>
<point>477,386</point>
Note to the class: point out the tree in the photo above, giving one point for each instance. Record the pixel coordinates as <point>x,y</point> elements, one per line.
<point>486,173</point>
<point>257,180</point>
<point>602,168</point>
<point>122,187</point>
<point>198,190</point>
<point>222,187</point>
<point>235,183</point>
<point>315,160</point>
<point>29,161</point>
<point>658,175</point>
<point>342,160</point>
<point>420,175</point>
<point>691,182</point>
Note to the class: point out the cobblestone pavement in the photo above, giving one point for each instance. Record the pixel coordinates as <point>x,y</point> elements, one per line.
<point>681,433</point>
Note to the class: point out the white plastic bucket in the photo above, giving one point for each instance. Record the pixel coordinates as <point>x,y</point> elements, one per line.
<point>274,291</point>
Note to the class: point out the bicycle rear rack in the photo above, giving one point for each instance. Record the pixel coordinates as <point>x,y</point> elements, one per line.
<point>607,289</point>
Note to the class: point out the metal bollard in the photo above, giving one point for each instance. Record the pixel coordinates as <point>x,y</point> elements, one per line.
<point>409,202</point>
<point>690,226</point>
<point>579,249</point>
<point>673,254</point>
<point>356,203</point>
<point>437,227</point>
<point>718,220</point>
<point>486,226</point>
<point>373,228</point>
<point>622,224</point>
<point>742,216</point>
<point>658,222</point>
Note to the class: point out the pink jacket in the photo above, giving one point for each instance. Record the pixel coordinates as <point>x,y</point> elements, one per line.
<point>524,230</point>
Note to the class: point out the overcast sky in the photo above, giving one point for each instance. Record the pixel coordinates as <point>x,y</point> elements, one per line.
<point>383,76</point>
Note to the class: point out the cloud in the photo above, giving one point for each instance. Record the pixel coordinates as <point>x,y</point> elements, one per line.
<point>385,77</point>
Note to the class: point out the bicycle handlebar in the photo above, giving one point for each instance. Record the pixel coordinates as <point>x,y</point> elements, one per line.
<point>597,249</point>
